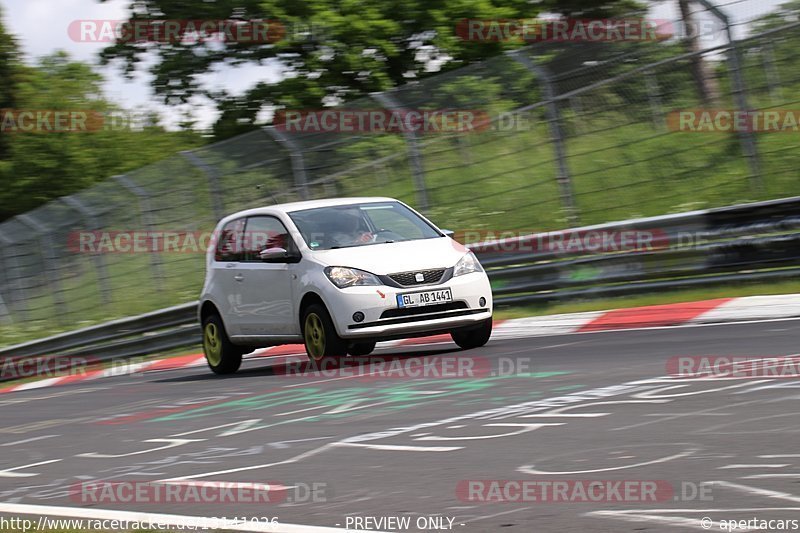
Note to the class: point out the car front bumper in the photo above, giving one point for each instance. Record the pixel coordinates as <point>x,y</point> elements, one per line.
<point>383,319</point>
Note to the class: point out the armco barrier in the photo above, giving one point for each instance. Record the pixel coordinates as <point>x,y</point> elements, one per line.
<point>748,242</point>
<point>742,243</point>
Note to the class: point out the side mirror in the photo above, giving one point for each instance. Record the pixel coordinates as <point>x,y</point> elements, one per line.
<point>274,255</point>
<point>448,232</point>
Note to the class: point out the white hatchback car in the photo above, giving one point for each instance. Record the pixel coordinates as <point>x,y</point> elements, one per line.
<point>339,276</point>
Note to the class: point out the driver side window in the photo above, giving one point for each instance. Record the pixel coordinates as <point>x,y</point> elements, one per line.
<point>263,233</point>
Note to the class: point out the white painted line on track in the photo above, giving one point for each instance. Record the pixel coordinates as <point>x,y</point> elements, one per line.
<point>726,467</point>
<point>28,440</point>
<point>291,460</point>
<point>533,471</point>
<point>10,472</point>
<point>264,487</point>
<point>301,410</point>
<point>39,384</point>
<point>284,443</point>
<point>771,476</point>
<point>159,519</point>
<point>758,491</point>
<point>683,415</point>
<point>13,400</point>
<point>307,383</point>
<point>486,517</point>
<point>398,448</point>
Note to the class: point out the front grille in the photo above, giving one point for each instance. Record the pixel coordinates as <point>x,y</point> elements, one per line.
<point>409,279</point>
<point>423,310</point>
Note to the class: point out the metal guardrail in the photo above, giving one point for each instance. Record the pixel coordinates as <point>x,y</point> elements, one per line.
<point>166,329</point>
<point>742,243</point>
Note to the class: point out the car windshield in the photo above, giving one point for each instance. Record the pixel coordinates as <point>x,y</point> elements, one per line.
<point>345,226</point>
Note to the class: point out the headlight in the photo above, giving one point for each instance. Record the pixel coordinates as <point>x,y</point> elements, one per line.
<point>344,277</point>
<point>468,264</point>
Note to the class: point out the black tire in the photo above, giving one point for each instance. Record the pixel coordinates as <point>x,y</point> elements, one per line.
<point>361,348</point>
<point>319,335</point>
<point>473,337</point>
<point>222,356</point>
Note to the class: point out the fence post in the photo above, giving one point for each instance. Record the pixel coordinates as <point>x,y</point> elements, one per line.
<point>7,284</point>
<point>577,109</point>
<point>5,314</point>
<point>556,134</point>
<point>51,259</point>
<point>145,209</point>
<point>654,98</point>
<point>98,258</point>
<point>773,77</point>
<point>211,173</point>
<point>414,155</point>
<point>295,156</point>
<point>739,90</point>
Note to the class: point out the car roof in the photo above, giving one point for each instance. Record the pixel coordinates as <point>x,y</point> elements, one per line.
<point>309,204</point>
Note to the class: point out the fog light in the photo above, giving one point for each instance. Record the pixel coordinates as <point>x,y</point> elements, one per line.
<point>358,316</point>
<point>482,301</point>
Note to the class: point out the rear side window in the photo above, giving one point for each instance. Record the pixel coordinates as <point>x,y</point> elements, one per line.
<point>229,245</point>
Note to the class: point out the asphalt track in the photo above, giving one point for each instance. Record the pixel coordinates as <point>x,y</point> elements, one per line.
<point>594,406</point>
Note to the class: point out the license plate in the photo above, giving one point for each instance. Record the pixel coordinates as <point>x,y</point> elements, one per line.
<point>417,299</point>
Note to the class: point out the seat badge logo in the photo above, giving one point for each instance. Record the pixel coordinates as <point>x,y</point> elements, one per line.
<point>419,277</point>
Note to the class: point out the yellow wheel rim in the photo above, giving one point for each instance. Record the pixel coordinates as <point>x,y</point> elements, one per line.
<point>314,336</point>
<point>212,344</point>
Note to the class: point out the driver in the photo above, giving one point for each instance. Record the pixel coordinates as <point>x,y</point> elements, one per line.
<point>347,229</point>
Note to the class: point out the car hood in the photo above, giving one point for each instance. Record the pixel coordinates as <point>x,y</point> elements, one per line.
<point>389,258</point>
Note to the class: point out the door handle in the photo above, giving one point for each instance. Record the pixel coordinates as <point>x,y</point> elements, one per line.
<point>238,277</point>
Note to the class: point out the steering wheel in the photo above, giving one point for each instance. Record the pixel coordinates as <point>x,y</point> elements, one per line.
<point>388,235</point>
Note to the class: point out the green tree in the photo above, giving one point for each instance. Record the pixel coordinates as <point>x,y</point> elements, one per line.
<point>39,167</point>
<point>354,47</point>
<point>9,67</point>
